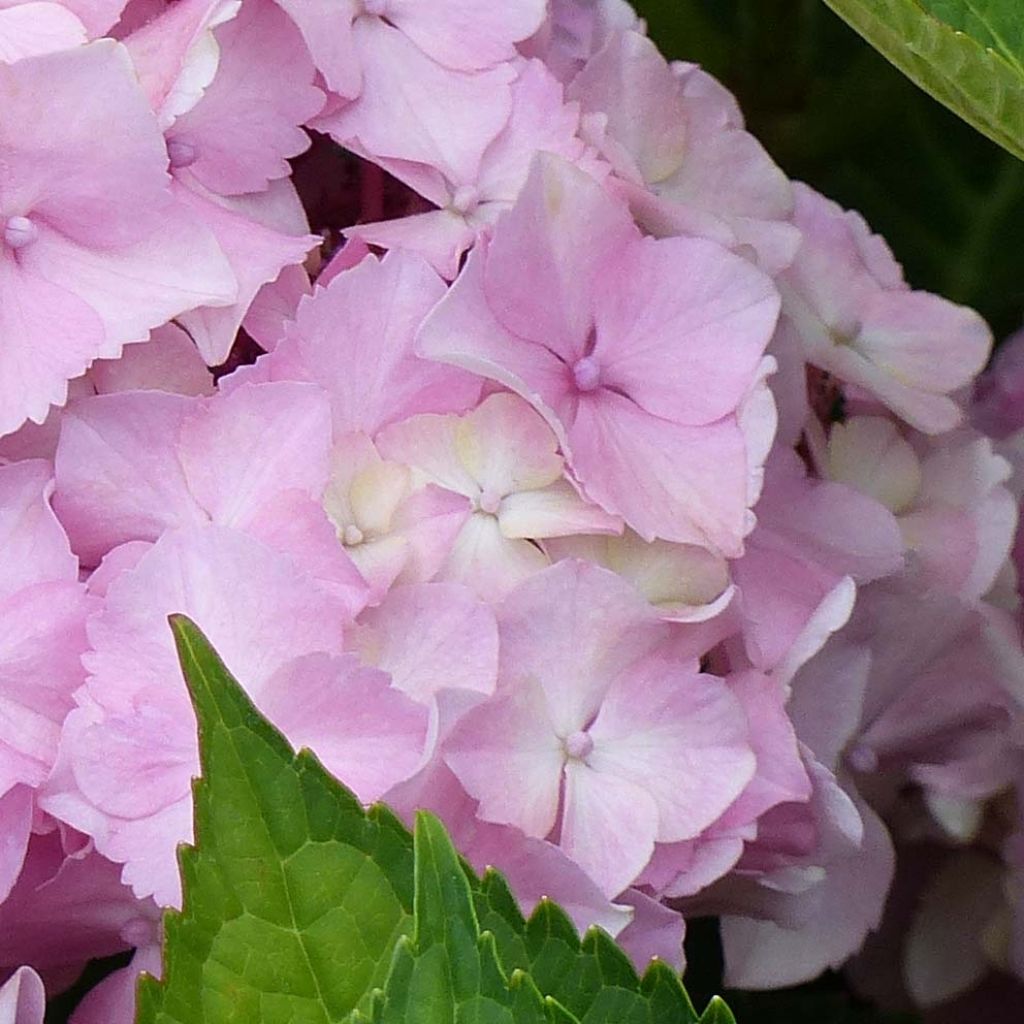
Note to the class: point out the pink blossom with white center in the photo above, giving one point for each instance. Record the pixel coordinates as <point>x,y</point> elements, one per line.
<point>690,168</point>
<point>845,300</point>
<point>128,751</point>
<point>503,458</point>
<point>131,466</point>
<point>541,120</point>
<point>43,609</point>
<point>607,739</point>
<point>22,998</point>
<point>96,252</point>
<point>394,530</point>
<point>607,334</point>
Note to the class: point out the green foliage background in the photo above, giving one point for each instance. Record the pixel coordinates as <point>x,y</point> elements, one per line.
<point>837,115</point>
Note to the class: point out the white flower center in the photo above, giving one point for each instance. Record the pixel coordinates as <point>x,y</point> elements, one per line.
<point>578,745</point>
<point>19,232</point>
<point>587,373</point>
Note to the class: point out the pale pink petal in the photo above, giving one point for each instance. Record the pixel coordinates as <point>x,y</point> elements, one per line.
<point>467,34</point>
<point>684,309</point>
<point>241,450</point>
<point>16,810</point>
<point>175,56</point>
<point>681,737</point>
<point>31,29</point>
<point>367,733</point>
<point>608,826</point>
<point>684,582</point>
<point>117,471</point>
<point>257,254</point>
<point>22,998</point>
<point>575,627</point>
<point>683,484</point>
<point>431,636</point>
<point>485,560</point>
<point>365,319</point>
<point>548,262</point>
<point>274,307</point>
<point>536,870</point>
<point>632,85</point>
<point>238,591</point>
<point>50,335</point>
<point>439,236</point>
<point>656,932</point>
<point>462,330</point>
<point>112,1001</point>
<point>430,444</point>
<point>137,287</point>
<point>761,954</point>
<point>541,121</point>
<point>553,511</point>
<point>246,125</point>
<point>33,541</point>
<point>42,637</point>
<point>169,361</point>
<point>326,27</point>
<point>516,733</point>
<point>426,113</point>
<point>507,447</point>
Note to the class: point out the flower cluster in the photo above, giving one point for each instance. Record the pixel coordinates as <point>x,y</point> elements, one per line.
<point>605,492</point>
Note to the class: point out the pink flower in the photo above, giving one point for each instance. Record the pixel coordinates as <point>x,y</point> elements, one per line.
<point>96,253</point>
<point>131,466</point>
<point>502,457</point>
<point>605,333</point>
<point>846,301</point>
<point>43,609</point>
<point>22,998</point>
<point>540,120</point>
<point>607,739</point>
<point>682,147</point>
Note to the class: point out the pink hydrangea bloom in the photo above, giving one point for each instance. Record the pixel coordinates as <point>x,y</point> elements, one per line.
<point>855,317</point>
<point>96,252</point>
<point>689,164</point>
<point>613,744</point>
<point>502,457</point>
<point>603,332</point>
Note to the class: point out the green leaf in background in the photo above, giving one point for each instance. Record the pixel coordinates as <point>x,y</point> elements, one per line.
<point>969,54</point>
<point>294,897</point>
<point>302,908</point>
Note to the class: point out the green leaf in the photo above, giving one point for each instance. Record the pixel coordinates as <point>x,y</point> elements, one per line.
<point>449,970</point>
<point>294,897</point>
<point>968,54</point>
<point>592,979</point>
<point>301,907</point>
